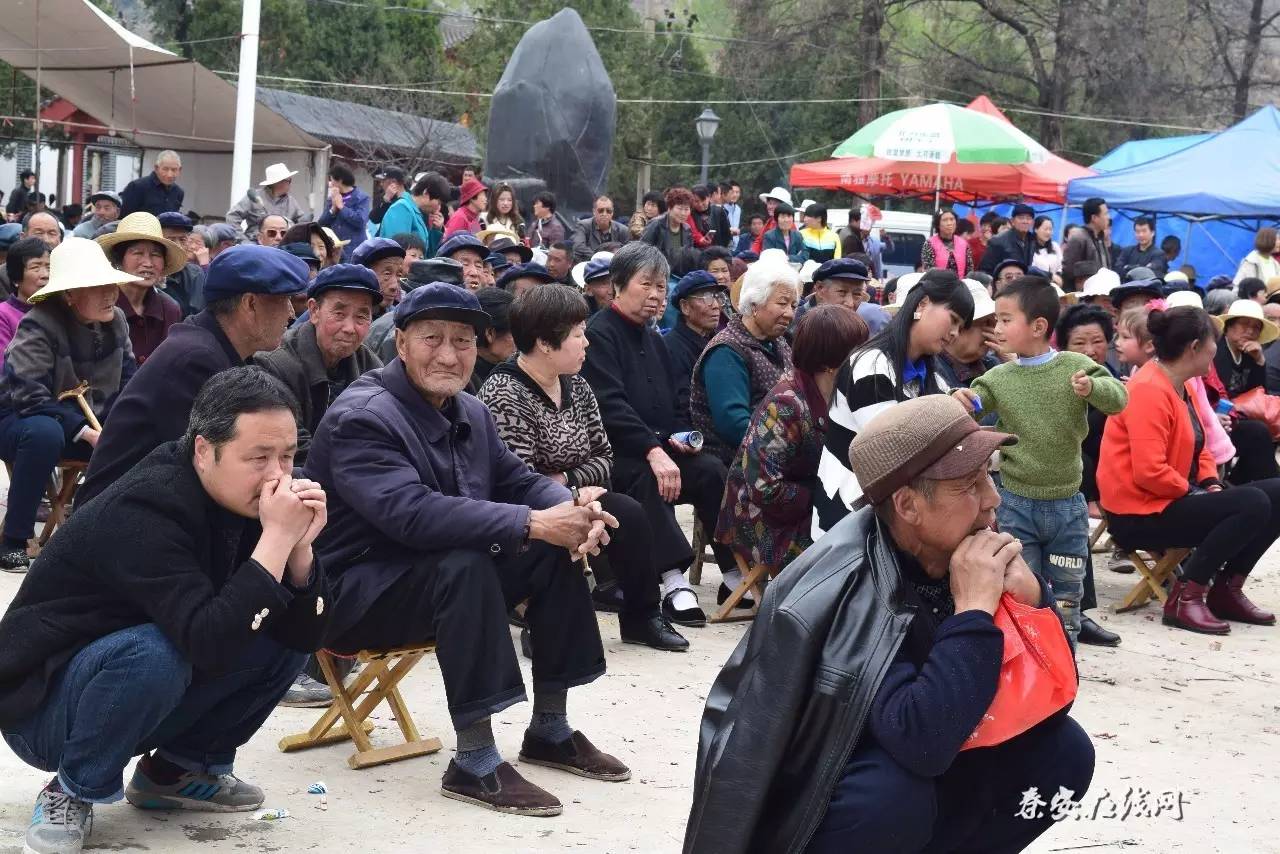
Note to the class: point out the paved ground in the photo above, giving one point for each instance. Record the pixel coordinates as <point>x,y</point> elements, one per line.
<point>1169,711</point>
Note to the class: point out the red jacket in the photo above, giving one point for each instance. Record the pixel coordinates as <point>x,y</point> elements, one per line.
<point>1146,449</point>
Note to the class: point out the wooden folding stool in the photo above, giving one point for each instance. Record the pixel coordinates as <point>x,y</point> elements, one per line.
<point>347,717</point>
<point>1095,539</point>
<point>61,492</point>
<point>751,583</point>
<point>1153,573</point>
<point>700,543</point>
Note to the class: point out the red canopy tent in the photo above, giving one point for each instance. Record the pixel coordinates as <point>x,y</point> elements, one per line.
<point>957,182</point>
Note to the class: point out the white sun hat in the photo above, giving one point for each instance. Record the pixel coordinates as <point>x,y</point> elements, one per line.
<point>781,194</point>
<point>276,173</point>
<point>906,282</point>
<point>78,262</point>
<point>1184,299</point>
<point>1100,284</point>
<point>983,304</point>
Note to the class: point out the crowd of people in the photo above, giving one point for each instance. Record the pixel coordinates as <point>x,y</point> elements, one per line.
<point>416,416</point>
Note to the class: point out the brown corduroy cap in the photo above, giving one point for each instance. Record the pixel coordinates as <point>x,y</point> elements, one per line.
<point>931,436</point>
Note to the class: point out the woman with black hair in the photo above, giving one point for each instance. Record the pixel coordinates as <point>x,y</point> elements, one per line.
<point>896,365</point>
<point>823,243</point>
<point>946,249</point>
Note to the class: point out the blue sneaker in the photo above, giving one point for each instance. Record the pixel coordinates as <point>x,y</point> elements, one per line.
<point>59,824</point>
<point>200,792</point>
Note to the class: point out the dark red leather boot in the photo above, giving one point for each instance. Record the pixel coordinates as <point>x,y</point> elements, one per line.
<point>1227,601</point>
<point>1186,609</point>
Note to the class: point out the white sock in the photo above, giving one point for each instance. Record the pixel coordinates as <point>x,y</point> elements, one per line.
<point>732,578</point>
<point>674,580</point>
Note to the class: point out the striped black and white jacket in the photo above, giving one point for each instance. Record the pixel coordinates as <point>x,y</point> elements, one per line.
<point>865,387</point>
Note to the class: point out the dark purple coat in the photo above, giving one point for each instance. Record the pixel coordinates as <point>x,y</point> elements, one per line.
<point>404,479</point>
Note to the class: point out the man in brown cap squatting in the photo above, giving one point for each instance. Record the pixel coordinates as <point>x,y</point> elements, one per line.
<point>873,658</point>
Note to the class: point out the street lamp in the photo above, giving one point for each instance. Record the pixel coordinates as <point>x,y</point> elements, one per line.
<point>706,125</point>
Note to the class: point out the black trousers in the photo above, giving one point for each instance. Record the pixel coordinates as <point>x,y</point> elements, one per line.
<point>460,600</point>
<point>702,479</point>
<point>1231,529</point>
<point>1255,452</point>
<point>630,554</point>
<point>880,806</point>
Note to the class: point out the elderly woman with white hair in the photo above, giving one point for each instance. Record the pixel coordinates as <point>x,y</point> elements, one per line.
<point>743,361</point>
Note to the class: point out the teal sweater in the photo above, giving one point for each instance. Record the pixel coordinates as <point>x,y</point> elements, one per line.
<point>1039,406</point>
<point>724,371</point>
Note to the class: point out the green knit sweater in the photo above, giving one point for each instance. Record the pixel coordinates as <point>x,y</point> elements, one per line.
<point>1039,406</point>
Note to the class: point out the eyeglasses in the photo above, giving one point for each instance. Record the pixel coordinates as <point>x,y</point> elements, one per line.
<point>705,297</point>
<point>604,210</point>
<point>274,232</point>
<point>461,343</point>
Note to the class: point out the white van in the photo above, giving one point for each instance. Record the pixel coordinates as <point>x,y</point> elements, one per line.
<point>909,231</point>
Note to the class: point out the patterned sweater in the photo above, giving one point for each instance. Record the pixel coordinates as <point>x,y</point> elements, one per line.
<point>569,438</point>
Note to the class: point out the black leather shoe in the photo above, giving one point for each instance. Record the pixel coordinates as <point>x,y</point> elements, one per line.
<point>653,630</point>
<point>746,603</point>
<point>694,617</point>
<point>1095,635</point>
<point>607,599</point>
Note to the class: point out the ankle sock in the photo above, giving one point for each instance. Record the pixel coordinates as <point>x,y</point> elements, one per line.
<point>160,770</point>
<point>684,599</point>
<point>733,578</point>
<point>477,754</point>
<point>550,721</point>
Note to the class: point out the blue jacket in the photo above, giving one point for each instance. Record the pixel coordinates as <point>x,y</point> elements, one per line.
<point>148,194</point>
<point>405,479</point>
<point>403,217</point>
<point>350,222</point>
<point>797,252</point>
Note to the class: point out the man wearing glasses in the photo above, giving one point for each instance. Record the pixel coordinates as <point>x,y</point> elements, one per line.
<point>436,529</point>
<point>272,231</point>
<point>600,229</point>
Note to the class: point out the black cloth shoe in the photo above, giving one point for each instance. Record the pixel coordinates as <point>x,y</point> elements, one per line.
<point>14,560</point>
<point>1095,635</point>
<point>694,617</point>
<point>526,646</point>
<point>608,599</point>
<point>745,603</point>
<point>653,630</point>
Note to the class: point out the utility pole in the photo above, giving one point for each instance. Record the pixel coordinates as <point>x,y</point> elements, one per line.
<point>246,100</point>
<point>644,175</point>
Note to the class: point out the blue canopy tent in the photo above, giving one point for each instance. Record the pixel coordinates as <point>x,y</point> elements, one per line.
<point>1230,179</point>
<point>1137,151</point>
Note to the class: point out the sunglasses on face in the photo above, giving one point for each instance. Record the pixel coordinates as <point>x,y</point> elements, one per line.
<point>274,232</point>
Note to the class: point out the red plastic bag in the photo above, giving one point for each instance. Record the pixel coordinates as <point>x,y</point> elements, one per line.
<point>1037,673</point>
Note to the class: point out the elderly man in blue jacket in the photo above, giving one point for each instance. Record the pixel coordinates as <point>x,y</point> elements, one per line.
<point>437,529</point>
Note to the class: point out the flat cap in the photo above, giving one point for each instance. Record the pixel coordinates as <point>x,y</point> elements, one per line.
<point>497,261</point>
<point>691,283</point>
<point>347,277</point>
<point>105,196</point>
<point>442,301</point>
<point>842,268</point>
<point>462,240</point>
<point>303,251</point>
<point>174,219</point>
<point>525,271</point>
<point>375,249</point>
<point>253,269</point>
<point>432,270</point>
<point>931,436</point>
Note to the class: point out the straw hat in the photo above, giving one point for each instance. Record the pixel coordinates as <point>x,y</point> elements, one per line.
<point>333,237</point>
<point>276,173</point>
<point>497,231</point>
<point>144,226</point>
<point>78,262</point>
<point>1247,309</point>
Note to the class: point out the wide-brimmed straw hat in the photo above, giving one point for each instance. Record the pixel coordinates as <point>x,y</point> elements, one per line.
<point>144,226</point>
<point>78,262</point>
<point>333,237</point>
<point>1247,309</point>
<point>497,231</point>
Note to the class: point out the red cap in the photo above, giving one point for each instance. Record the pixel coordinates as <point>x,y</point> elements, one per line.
<point>470,189</point>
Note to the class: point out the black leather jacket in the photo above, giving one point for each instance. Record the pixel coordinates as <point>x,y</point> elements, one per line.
<point>788,707</point>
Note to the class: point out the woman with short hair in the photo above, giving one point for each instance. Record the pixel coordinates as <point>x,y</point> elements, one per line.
<point>548,416</point>
<point>28,267</point>
<point>671,234</point>
<point>768,497</point>
<point>743,361</point>
<point>1159,483</point>
<point>946,249</point>
<point>1259,263</point>
<point>823,243</point>
<point>74,333</point>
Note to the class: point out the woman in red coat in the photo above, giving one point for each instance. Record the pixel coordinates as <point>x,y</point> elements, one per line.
<point>1160,486</point>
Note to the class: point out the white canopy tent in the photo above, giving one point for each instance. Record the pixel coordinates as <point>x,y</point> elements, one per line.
<point>155,97</point>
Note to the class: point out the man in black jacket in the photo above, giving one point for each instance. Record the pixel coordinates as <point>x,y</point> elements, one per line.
<point>1017,244</point>
<point>168,617</point>
<point>880,659</point>
<point>247,293</point>
<point>645,407</point>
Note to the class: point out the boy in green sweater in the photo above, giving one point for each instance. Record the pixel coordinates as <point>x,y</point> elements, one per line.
<point>1043,397</point>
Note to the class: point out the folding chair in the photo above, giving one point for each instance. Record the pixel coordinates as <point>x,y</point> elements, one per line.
<point>751,583</point>
<point>387,668</point>
<point>61,491</point>
<point>700,543</point>
<point>1154,572</point>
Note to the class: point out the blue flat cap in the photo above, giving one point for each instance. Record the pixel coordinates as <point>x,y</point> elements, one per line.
<point>8,234</point>
<point>348,277</point>
<point>303,251</point>
<point>173,219</point>
<point>749,256</point>
<point>596,270</point>
<point>462,240</point>
<point>842,268</point>
<point>1010,262</point>
<point>691,283</point>
<point>525,271</point>
<point>432,270</point>
<point>442,301</point>
<point>221,232</point>
<point>375,249</point>
<point>497,261</point>
<point>253,269</point>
